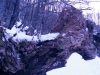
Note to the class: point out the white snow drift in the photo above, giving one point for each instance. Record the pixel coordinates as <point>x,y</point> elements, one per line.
<point>78,66</point>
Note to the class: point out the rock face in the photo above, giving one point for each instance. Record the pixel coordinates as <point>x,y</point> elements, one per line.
<point>36,58</point>
<point>73,26</point>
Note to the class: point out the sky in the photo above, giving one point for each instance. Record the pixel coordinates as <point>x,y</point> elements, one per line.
<point>78,66</point>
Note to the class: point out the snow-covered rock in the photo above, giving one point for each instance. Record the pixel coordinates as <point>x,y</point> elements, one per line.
<point>20,36</point>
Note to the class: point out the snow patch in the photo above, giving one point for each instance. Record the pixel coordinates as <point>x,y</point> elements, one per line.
<point>50,36</point>
<point>20,36</point>
<point>63,34</point>
<point>86,29</point>
<point>18,23</point>
<point>95,33</point>
<point>26,28</point>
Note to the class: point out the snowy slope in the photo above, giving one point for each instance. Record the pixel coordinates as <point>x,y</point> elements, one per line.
<point>77,66</point>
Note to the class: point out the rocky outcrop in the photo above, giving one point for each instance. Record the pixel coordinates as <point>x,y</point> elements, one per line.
<point>36,58</point>
<point>74,28</point>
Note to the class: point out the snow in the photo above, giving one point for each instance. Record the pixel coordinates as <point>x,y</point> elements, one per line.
<point>78,66</point>
<point>93,9</point>
<point>86,29</point>
<point>95,5</point>
<point>50,36</point>
<point>18,23</point>
<point>63,34</point>
<point>26,28</point>
<point>95,33</point>
<point>20,36</point>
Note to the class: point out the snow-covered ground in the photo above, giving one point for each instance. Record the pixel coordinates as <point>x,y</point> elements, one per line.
<point>77,66</point>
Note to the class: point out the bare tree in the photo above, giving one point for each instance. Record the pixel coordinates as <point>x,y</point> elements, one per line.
<point>9,12</point>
